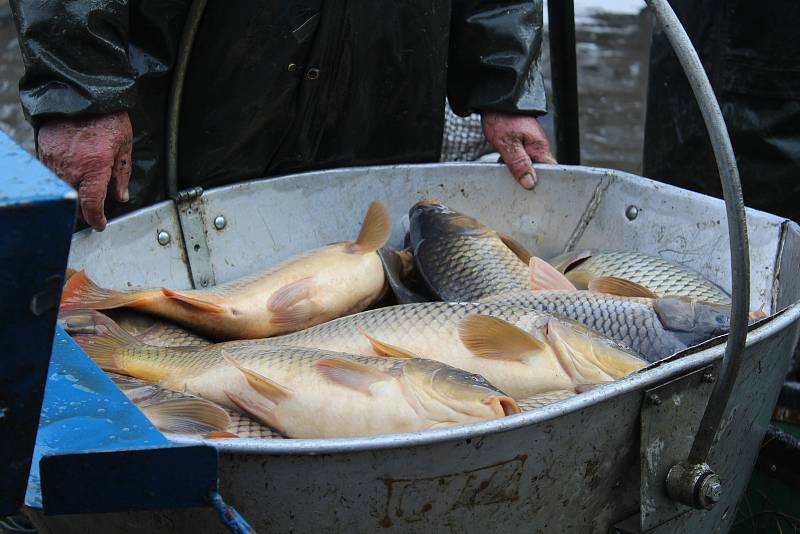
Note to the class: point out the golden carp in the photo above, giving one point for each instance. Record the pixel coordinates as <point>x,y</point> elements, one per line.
<point>308,392</point>
<point>303,291</point>
<point>459,258</point>
<point>521,363</point>
<point>591,269</point>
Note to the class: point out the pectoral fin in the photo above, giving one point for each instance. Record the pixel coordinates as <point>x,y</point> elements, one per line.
<point>375,230</point>
<point>193,300</point>
<point>351,374</point>
<point>611,285</point>
<point>543,276</point>
<point>293,306</point>
<point>490,337</point>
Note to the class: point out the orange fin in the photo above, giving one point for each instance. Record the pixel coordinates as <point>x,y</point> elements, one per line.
<point>516,247</point>
<point>292,306</point>
<point>544,276</point>
<point>375,230</point>
<point>385,349</point>
<point>263,385</point>
<point>221,435</point>
<point>193,301</point>
<point>620,287</point>
<point>81,292</point>
<point>187,416</point>
<point>490,337</point>
<point>350,374</point>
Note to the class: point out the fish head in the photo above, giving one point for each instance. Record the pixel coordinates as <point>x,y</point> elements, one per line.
<point>587,356</point>
<point>430,219</point>
<point>693,321</point>
<point>446,394</point>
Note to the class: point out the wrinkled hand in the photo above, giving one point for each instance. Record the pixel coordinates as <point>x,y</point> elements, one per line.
<point>90,154</point>
<point>520,140</point>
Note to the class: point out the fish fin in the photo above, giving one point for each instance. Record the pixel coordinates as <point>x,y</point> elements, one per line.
<point>221,435</point>
<point>258,411</point>
<point>69,273</point>
<point>81,321</point>
<point>385,349</point>
<point>569,260</point>
<point>407,262</point>
<point>291,305</point>
<point>103,346</point>
<point>374,232</point>
<point>192,300</point>
<point>263,385</point>
<point>490,337</point>
<point>81,292</point>
<point>350,374</point>
<point>393,267</point>
<point>757,315</point>
<point>611,285</point>
<point>542,275</point>
<point>516,247</point>
<point>187,416</point>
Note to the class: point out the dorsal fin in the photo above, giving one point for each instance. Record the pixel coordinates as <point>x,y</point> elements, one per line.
<point>611,285</point>
<point>374,232</point>
<point>516,247</point>
<point>542,275</point>
<point>490,337</point>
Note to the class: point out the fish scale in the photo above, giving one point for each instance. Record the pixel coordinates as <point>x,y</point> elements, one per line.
<point>656,274</point>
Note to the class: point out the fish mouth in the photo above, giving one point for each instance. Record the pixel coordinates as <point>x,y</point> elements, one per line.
<point>502,403</point>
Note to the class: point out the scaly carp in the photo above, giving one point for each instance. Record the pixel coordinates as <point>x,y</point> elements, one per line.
<point>146,328</point>
<point>459,258</point>
<point>310,393</point>
<point>303,291</point>
<point>656,275</point>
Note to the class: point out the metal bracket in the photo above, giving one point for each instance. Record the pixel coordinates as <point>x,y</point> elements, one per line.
<point>670,416</point>
<point>191,214</point>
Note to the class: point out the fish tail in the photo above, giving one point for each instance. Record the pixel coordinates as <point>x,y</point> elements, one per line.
<point>81,292</point>
<point>105,346</point>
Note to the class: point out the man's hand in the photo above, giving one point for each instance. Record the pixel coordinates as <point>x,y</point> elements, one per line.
<point>90,154</point>
<point>520,141</point>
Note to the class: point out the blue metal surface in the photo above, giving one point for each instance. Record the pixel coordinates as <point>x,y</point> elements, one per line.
<point>96,452</point>
<point>37,213</point>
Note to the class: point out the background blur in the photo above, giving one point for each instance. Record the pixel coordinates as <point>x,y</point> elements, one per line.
<point>613,39</point>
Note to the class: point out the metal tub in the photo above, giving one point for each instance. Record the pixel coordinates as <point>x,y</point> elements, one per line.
<point>586,464</point>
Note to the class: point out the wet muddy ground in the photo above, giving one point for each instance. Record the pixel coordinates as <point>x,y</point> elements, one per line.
<point>612,53</point>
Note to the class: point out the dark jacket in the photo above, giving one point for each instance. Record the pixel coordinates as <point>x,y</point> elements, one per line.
<point>279,87</point>
<point>751,52</point>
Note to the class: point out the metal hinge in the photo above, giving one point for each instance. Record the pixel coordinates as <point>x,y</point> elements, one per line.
<point>191,215</point>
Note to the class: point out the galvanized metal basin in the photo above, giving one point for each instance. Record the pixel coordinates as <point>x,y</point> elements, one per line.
<point>578,465</point>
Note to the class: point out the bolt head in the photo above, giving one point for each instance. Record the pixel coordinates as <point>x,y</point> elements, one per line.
<point>632,212</point>
<point>163,238</point>
<point>654,399</point>
<point>220,222</point>
<point>711,490</point>
<point>708,378</point>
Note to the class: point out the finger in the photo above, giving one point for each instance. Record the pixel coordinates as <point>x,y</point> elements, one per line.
<point>92,198</point>
<point>518,162</point>
<point>539,152</point>
<point>121,174</point>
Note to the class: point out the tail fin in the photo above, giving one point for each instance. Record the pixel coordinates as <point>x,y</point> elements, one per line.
<point>375,230</point>
<point>103,346</point>
<point>81,292</point>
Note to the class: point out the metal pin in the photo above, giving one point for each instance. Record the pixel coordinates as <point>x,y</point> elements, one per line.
<point>654,399</point>
<point>708,378</point>
<point>220,222</point>
<point>163,238</point>
<point>632,212</point>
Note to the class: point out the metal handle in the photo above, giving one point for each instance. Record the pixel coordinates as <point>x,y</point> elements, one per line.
<point>686,482</point>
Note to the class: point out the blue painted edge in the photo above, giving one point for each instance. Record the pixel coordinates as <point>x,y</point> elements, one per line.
<point>23,179</point>
<point>96,452</point>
